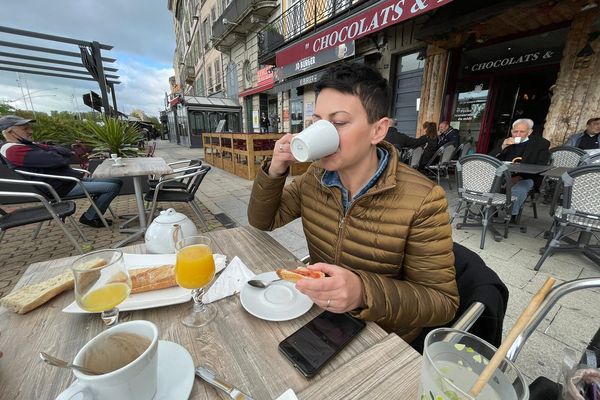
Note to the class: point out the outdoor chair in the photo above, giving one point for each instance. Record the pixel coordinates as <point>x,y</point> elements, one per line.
<point>177,184</point>
<point>543,388</point>
<point>415,157</point>
<point>187,195</point>
<point>579,214</point>
<point>562,156</point>
<point>483,299</point>
<point>461,151</point>
<point>590,159</point>
<point>57,211</point>
<point>438,165</point>
<point>77,181</point>
<point>480,180</point>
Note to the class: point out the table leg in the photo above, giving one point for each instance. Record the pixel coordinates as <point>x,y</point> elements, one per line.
<point>139,232</point>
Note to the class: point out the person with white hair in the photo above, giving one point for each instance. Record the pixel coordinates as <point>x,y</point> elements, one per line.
<point>521,146</point>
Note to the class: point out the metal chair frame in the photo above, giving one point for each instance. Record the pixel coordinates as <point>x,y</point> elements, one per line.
<point>574,214</point>
<point>443,156</point>
<point>487,197</point>
<point>48,205</point>
<point>415,157</point>
<point>196,175</point>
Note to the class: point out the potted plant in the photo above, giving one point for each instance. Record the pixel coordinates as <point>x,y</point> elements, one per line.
<point>112,136</point>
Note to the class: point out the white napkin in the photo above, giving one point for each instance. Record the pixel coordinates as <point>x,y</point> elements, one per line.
<point>287,395</point>
<point>229,282</point>
<point>220,262</point>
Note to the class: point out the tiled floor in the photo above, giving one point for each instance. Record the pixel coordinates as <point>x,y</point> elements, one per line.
<point>570,323</point>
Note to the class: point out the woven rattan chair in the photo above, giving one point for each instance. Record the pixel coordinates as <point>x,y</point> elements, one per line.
<point>579,214</point>
<point>589,160</point>
<point>58,210</point>
<point>562,156</point>
<point>187,195</point>
<point>415,157</point>
<point>480,180</point>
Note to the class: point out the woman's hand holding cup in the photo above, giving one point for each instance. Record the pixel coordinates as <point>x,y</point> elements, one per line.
<point>282,157</point>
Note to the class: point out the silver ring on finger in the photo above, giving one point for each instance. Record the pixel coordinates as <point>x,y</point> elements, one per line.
<point>328,304</point>
<point>280,147</point>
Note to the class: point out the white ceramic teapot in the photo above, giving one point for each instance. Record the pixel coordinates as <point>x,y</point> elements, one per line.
<point>166,229</point>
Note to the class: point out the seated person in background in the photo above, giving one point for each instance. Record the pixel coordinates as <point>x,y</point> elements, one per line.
<point>431,143</point>
<point>21,153</point>
<point>402,140</point>
<point>528,149</point>
<point>377,228</point>
<point>587,139</point>
<point>447,134</point>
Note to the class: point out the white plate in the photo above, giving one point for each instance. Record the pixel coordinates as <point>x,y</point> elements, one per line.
<point>175,372</point>
<point>154,298</point>
<point>279,302</point>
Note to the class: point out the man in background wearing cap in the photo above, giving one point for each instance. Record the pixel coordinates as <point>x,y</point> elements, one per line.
<point>21,153</point>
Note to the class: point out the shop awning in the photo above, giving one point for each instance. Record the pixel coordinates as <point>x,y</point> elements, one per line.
<point>298,82</point>
<point>210,103</point>
<point>257,89</point>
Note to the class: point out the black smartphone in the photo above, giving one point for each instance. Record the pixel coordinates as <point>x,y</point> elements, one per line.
<point>317,342</point>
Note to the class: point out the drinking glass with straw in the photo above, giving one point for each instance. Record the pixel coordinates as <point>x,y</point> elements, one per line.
<point>461,366</point>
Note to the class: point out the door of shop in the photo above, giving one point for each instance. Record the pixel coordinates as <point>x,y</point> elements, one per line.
<point>407,91</point>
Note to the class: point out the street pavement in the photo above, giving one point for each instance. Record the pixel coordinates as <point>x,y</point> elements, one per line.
<point>224,199</point>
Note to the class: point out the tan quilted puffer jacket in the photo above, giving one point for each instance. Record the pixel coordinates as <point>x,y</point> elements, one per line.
<point>396,237</point>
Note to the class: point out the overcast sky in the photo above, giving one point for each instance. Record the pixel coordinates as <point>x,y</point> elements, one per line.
<point>141,32</point>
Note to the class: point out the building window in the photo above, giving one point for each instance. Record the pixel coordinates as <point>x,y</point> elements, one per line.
<point>217,75</point>
<point>200,86</point>
<point>213,14</point>
<point>210,84</point>
<point>207,32</point>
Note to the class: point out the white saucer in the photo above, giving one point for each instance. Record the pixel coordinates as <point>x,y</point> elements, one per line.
<point>279,302</point>
<point>175,372</point>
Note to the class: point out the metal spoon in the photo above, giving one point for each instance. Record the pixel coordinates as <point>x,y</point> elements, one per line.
<point>57,362</point>
<point>259,283</point>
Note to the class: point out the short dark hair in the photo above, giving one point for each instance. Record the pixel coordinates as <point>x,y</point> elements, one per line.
<point>589,121</point>
<point>360,80</point>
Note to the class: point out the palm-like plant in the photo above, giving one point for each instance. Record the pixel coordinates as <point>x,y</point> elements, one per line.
<point>112,136</point>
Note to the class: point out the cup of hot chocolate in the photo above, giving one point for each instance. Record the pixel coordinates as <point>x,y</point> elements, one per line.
<point>127,358</point>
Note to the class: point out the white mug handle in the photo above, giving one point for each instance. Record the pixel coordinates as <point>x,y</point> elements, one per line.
<point>75,389</point>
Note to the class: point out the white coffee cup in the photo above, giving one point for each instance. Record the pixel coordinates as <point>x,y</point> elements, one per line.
<point>118,161</point>
<point>318,140</point>
<point>517,139</point>
<point>136,380</point>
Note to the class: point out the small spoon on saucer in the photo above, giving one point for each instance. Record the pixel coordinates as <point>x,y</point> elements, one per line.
<point>259,283</point>
<point>57,362</point>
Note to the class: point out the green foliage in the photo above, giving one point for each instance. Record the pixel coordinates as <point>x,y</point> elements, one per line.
<point>60,128</point>
<point>112,136</point>
<point>6,109</point>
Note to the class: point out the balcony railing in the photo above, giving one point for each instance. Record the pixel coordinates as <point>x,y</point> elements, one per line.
<point>235,17</point>
<point>304,16</point>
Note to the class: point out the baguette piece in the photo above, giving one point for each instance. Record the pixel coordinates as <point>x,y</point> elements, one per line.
<point>147,279</point>
<point>30,297</point>
<point>294,275</point>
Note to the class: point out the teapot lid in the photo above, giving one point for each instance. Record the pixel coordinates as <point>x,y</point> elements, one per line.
<point>170,216</point>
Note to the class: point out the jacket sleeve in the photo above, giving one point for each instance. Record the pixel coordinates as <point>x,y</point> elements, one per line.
<point>426,294</point>
<point>572,140</point>
<point>36,157</point>
<point>272,203</point>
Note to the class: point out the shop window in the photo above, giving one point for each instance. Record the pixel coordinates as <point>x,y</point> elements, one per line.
<point>218,75</point>
<point>470,104</point>
<point>410,62</point>
<point>209,75</point>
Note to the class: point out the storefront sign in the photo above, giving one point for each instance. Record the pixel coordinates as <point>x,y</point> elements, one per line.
<point>531,58</point>
<point>317,60</point>
<point>265,76</point>
<point>373,19</point>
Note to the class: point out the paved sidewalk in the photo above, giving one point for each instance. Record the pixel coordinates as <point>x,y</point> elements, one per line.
<point>571,323</point>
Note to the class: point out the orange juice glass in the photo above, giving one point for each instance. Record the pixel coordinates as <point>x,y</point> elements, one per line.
<point>101,283</point>
<point>195,269</point>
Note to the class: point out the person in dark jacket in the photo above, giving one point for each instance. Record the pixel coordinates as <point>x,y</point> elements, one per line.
<point>431,143</point>
<point>523,147</point>
<point>588,139</point>
<point>447,134</point>
<point>22,153</point>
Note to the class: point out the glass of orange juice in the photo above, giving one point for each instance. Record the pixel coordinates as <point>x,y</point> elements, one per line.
<point>195,269</point>
<point>101,283</point>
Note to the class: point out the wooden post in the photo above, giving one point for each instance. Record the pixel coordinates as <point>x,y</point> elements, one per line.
<point>433,86</point>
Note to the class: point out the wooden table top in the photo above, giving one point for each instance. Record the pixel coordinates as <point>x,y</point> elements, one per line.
<point>139,166</point>
<point>556,172</point>
<point>241,348</point>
